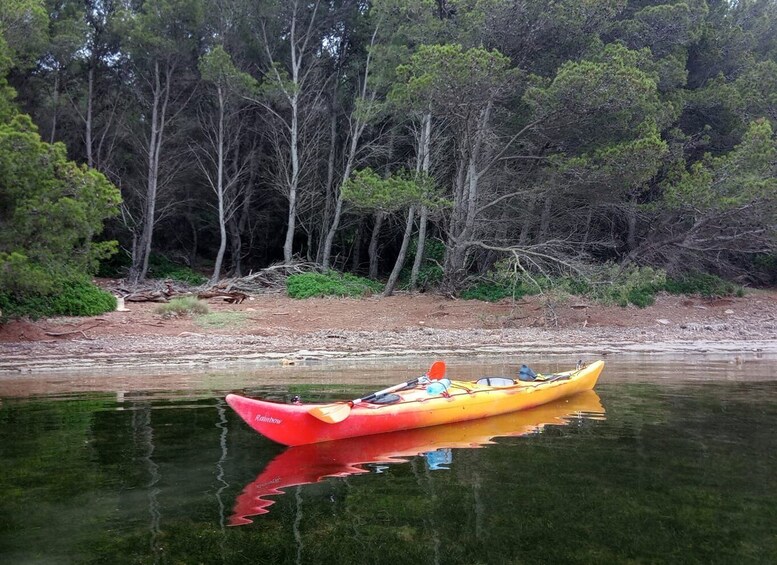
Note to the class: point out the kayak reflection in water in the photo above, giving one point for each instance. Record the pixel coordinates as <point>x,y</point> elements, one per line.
<point>306,464</point>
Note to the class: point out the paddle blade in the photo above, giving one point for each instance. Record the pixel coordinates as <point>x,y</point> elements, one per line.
<point>436,371</point>
<point>331,413</point>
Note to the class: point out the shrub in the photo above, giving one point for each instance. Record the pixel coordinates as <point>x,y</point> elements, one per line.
<point>492,291</point>
<point>79,297</point>
<point>75,296</point>
<point>700,283</point>
<point>308,285</point>
<point>182,306</point>
<point>632,285</point>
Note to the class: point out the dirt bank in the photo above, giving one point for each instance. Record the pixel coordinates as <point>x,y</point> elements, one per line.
<point>278,329</point>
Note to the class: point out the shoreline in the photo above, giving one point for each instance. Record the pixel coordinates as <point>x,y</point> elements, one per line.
<point>239,352</point>
<point>274,329</point>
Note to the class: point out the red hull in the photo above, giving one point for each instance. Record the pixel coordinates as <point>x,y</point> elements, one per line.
<point>292,424</point>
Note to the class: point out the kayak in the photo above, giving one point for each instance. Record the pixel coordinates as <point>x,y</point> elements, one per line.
<point>418,403</point>
<point>307,464</point>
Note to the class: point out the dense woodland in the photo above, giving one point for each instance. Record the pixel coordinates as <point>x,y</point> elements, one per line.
<point>429,139</point>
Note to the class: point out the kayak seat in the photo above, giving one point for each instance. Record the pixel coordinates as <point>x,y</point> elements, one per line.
<point>385,399</point>
<point>495,381</point>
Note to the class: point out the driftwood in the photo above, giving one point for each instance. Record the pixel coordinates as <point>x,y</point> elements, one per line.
<point>269,280</point>
<point>232,290</point>
<point>233,297</point>
<point>146,296</point>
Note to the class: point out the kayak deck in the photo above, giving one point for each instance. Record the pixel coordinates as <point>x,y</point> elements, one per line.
<point>292,424</point>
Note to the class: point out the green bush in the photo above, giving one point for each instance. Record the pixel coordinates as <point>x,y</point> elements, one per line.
<point>160,267</point>
<point>182,306</point>
<point>624,286</point>
<point>82,298</point>
<point>641,297</point>
<point>76,296</point>
<point>700,283</point>
<point>492,291</point>
<point>308,285</point>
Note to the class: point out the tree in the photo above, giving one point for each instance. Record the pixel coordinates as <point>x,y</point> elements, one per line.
<point>400,191</point>
<point>222,133</point>
<point>291,81</point>
<point>718,210</point>
<point>161,44</point>
<point>50,210</point>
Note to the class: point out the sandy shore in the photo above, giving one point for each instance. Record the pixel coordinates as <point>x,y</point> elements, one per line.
<point>275,329</point>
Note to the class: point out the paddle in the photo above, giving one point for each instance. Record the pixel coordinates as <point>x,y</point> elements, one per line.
<point>335,413</point>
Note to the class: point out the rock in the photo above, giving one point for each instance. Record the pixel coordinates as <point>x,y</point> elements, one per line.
<point>663,321</point>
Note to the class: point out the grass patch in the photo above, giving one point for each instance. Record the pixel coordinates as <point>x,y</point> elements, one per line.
<point>218,320</point>
<point>182,306</point>
<point>310,285</point>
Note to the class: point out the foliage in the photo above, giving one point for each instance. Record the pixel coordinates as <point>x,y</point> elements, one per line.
<point>613,131</point>
<point>491,291</point>
<point>745,175</point>
<point>50,208</point>
<point>217,67</point>
<point>182,306</point>
<point>74,296</point>
<point>160,267</point>
<point>631,285</point>
<point>309,285</point>
<point>367,189</point>
<point>449,75</point>
<point>703,284</point>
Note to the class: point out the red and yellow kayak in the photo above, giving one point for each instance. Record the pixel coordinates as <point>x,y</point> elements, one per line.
<point>416,407</point>
<point>312,463</point>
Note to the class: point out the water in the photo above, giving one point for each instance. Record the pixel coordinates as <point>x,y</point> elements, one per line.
<point>670,461</point>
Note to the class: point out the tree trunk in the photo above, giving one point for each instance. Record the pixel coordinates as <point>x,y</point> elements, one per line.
<point>545,220</point>
<point>357,249</point>
<point>424,161</point>
<point>631,217</point>
<point>330,176</point>
<point>373,249</point>
<point>161,96</point>
<point>294,149</point>
<point>419,253</point>
<point>55,109</point>
<point>400,262</point>
<point>220,191</point>
<point>88,120</point>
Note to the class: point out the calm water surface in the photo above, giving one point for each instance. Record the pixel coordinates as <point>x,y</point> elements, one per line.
<point>670,461</point>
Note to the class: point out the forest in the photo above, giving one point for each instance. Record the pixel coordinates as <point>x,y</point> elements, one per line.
<point>423,143</point>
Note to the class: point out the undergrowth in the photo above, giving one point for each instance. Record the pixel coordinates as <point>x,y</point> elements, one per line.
<point>611,284</point>
<point>76,296</point>
<point>309,285</point>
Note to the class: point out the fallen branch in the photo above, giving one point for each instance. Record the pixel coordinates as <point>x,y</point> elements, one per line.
<point>60,334</point>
